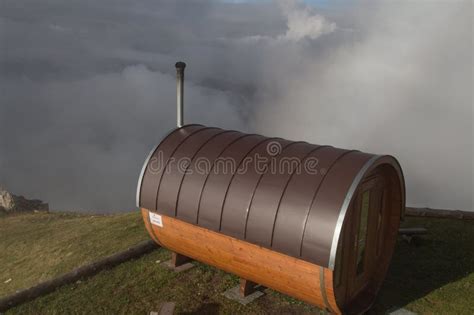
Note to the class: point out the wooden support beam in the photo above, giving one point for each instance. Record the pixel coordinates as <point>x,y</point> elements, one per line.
<point>179,260</point>
<point>247,287</point>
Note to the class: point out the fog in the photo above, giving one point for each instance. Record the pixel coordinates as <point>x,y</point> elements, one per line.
<point>88,88</point>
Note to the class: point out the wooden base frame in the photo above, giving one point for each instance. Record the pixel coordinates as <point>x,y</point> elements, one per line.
<point>295,277</point>
<point>178,260</point>
<point>246,287</point>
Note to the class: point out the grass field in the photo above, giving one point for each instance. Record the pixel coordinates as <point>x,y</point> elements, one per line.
<point>434,275</point>
<point>36,247</point>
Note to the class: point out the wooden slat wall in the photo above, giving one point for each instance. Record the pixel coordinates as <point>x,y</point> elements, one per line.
<point>283,273</point>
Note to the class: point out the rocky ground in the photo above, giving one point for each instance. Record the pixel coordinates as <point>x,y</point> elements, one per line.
<point>10,203</point>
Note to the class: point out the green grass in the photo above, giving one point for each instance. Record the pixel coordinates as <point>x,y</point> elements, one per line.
<point>434,275</point>
<point>36,247</point>
<point>141,286</point>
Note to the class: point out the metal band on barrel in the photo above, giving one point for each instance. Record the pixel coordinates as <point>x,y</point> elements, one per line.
<point>142,173</point>
<point>322,287</point>
<point>345,206</point>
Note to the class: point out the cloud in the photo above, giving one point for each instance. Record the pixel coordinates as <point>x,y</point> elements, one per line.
<point>303,22</point>
<point>80,144</point>
<point>89,87</point>
<point>400,85</point>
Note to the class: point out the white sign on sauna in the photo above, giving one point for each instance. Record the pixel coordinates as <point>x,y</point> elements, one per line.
<point>156,219</point>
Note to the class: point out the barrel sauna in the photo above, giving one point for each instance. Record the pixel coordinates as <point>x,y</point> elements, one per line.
<point>314,222</point>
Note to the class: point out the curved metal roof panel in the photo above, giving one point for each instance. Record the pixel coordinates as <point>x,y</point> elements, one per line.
<point>284,195</point>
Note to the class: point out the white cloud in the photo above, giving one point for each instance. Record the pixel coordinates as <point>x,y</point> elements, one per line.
<point>80,108</point>
<point>303,22</point>
<point>82,143</point>
<point>403,86</point>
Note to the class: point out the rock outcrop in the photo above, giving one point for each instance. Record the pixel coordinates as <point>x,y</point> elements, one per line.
<point>11,203</point>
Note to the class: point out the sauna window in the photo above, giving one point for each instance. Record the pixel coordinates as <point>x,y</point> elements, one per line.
<point>362,234</point>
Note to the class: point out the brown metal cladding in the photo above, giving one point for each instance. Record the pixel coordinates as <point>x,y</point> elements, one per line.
<point>297,199</point>
<point>216,187</point>
<point>171,182</point>
<point>156,165</point>
<point>250,193</point>
<point>318,235</point>
<point>198,171</point>
<point>267,195</point>
<point>242,188</point>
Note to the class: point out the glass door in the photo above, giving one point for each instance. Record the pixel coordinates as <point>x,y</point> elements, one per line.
<point>363,236</point>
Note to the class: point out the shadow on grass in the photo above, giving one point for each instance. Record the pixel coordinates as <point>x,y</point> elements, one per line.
<point>443,256</point>
<point>204,309</point>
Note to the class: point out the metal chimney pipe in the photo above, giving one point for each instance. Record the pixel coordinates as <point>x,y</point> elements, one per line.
<point>179,92</point>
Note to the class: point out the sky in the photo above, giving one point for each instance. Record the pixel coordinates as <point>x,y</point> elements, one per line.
<point>87,88</point>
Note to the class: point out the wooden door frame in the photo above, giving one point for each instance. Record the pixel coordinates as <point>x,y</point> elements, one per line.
<point>357,283</point>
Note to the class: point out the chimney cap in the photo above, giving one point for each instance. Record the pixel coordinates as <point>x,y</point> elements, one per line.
<point>180,65</point>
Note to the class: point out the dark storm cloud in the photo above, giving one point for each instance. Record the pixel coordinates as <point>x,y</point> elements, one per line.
<point>87,87</point>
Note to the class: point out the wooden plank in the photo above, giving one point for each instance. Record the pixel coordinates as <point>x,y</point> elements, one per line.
<point>247,287</point>
<point>179,260</point>
<point>289,275</point>
<point>328,284</point>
